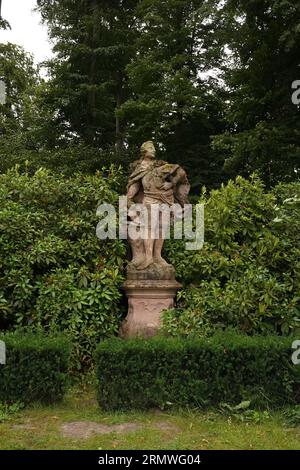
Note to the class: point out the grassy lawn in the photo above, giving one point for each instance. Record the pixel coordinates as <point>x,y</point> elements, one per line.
<point>78,423</point>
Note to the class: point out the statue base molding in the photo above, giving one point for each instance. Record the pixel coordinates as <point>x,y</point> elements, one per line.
<point>146,301</point>
<point>155,272</point>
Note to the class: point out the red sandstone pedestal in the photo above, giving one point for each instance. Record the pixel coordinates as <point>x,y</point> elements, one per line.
<point>146,301</point>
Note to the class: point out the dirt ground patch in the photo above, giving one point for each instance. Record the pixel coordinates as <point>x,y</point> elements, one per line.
<point>86,429</point>
<point>167,427</point>
<point>24,427</point>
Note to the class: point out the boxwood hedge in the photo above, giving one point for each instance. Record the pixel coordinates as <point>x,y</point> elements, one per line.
<point>228,368</point>
<point>36,368</point>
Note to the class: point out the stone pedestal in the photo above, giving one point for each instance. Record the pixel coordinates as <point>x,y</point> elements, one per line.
<point>146,301</point>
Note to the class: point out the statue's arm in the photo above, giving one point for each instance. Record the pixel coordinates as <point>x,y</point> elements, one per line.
<point>133,190</point>
<point>179,177</point>
<point>181,186</point>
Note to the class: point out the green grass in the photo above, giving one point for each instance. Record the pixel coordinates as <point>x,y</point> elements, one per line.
<point>40,428</point>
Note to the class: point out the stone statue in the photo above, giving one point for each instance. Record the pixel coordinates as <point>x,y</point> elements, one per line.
<point>154,182</point>
<point>151,285</point>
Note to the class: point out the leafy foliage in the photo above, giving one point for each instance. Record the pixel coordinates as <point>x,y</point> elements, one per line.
<point>247,274</point>
<point>210,81</point>
<point>36,368</point>
<point>231,368</point>
<point>68,160</point>
<point>292,416</point>
<point>94,41</point>
<point>244,413</point>
<point>128,71</point>
<point>54,272</point>
<point>173,99</point>
<point>8,411</point>
<point>263,123</point>
<point>21,78</point>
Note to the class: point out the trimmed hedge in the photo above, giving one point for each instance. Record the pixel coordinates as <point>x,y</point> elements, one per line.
<point>36,368</point>
<point>228,368</point>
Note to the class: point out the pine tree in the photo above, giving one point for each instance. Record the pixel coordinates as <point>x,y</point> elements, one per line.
<point>20,76</point>
<point>173,101</point>
<point>129,70</point>
<point>94,41</point>
<point>263,123</point>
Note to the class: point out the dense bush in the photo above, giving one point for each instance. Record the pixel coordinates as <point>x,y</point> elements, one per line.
<point>54,272</point>
<point>197,373</point>
<point>36,368</point>
<point>21,149</point>
<point>248,273</point>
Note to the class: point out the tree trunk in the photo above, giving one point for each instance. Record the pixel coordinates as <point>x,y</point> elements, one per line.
<point>92,76</point>
<point>119,101</point>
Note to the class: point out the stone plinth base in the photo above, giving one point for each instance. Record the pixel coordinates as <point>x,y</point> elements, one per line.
<point>155,272</point>
<point>146,301</point>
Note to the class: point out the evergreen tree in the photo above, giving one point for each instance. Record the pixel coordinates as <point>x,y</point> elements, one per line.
<point>263,123</point>
<point>172,99</point>
<point>126,71</point>
<point>94,41</point>
<point>20,76</point>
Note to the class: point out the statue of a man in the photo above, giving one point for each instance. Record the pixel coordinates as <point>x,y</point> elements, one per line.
<point>154,182</point>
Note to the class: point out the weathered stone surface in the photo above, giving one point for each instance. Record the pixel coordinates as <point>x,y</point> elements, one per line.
<point>154,272</point>
<point>146,302</point>
<point>155,185</point>
<point>151,286</point>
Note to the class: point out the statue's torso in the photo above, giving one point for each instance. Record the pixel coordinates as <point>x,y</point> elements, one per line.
<point>154,193</point>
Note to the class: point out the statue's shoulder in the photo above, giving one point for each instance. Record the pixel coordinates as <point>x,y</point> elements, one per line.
<point>158,163</point>
<point>134,165</point>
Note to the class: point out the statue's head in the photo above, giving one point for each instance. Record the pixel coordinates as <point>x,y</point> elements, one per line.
<point>148,150</point>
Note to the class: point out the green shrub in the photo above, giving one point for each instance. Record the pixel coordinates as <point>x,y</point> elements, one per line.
<point>248,273</point>
<point>18,149</point>
<point>227,368</point>
<point>56,275</point>
<point>36,368</point>
<point>7,411</point>
<point>54,272</point>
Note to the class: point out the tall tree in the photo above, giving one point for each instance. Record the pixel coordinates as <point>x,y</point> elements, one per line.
<point>263,123</point>
<point>129,70</point>
<point>172,98</point>
<point>18,72</point>
<point>3,23</point>
<point>94,41</point>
